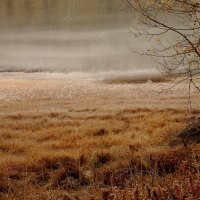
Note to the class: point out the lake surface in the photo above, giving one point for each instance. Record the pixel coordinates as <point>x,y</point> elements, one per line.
<point>67,35</point>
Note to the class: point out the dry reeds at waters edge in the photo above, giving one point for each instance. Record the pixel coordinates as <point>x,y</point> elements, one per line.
<point>127,155</point>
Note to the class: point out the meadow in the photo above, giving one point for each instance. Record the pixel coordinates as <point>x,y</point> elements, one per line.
<point>73,137</point>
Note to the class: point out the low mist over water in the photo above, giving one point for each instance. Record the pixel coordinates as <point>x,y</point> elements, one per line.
<point>69,36</point>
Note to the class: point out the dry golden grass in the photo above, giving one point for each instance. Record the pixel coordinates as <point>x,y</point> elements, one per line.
<point>59,148</point>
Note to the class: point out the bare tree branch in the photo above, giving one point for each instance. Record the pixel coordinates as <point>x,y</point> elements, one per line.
<point>175,24</point>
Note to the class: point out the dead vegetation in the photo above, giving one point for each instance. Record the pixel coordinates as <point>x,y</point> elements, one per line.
<point>109,142</point>
<point>121,155</point>
<point>190,134</point>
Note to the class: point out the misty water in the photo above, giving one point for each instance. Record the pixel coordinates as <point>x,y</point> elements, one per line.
<point>69,36</point>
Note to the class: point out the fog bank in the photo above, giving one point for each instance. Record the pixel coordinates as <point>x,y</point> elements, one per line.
<point>72,39</point>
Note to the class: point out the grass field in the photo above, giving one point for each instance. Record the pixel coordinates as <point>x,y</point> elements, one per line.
<point>72,137</point>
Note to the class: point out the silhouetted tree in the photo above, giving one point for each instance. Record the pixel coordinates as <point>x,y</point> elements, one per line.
<point>175,26</point>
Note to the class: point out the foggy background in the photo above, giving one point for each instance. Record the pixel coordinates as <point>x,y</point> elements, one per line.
<point>71,36</point>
